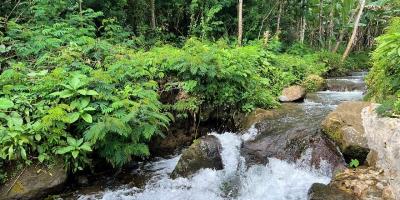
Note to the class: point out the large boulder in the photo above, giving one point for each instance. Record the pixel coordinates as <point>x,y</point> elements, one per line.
<point>296,144</point>
<point>203,153</point>
<point>383,136</point>
<point>360,184</point>
<point>344,126</point>
<point>256,117</point>
<point>34,182</point>
<point>293,94</point>
<point>319,191</point>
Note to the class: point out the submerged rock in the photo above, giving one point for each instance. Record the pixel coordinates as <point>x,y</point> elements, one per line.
<point>34,181</point>
<point>298,144</point>
<point>344,126</point>
<point>292,94</point>
<point>383,136</point>
<point>203,153</point>
<point>319,191</point>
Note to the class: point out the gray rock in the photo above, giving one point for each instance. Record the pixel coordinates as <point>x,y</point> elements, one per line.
<point>383,136</point>
<point>291,146</point>
<point>293,93</point>
<point>344,127</point>
<point>34,181</point>
<point>203,153</point>
<point>320,191</point>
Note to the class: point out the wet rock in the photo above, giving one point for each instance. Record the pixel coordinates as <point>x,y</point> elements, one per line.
<point>82,180</point>
<point>302,144</point>
<point>345,84</point>
<point>383,136</point>
<point>203,153</point>
<point>259,115</point>
<point>293,94</point>
<point>363,183</point>
<point>34,181</point>
<point>320,191</point>
<point>173,140</point>
<point>344,126</point>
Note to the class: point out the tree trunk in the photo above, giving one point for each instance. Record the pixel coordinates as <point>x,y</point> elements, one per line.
<point>321,27</point>
<point>303,22</point>
<point>240,22</point>
<point>153,14</point>
<point>278,23</point>
<point>342,31</point>
<point>331,25</point>
<point>353,35</point>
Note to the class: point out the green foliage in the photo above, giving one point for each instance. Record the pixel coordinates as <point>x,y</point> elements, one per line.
<point>354,163</point>
<point>384,79</point>
<point>313,83</point>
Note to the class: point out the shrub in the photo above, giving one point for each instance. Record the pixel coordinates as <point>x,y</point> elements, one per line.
<point>384,78</point>
<point>314,83</point>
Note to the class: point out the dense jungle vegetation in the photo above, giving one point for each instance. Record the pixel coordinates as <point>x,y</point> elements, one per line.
<point>82,80</point>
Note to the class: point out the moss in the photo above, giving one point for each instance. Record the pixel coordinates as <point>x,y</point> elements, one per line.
<point>314,83</point>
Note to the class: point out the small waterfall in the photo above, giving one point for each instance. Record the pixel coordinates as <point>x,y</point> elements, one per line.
<point>278,180</point>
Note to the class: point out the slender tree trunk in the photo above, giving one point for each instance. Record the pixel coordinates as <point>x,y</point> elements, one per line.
<point>278,23</point>
<point>303,22</point>
<point>240,22</point>
<point>353,35</point>
<point>331,25</point>
<point>153,14</point>
<point>303,25</point>
<point>342,31</point>
<point>321,25</point>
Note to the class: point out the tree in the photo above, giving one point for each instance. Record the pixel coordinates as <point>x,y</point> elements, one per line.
<point>240,22</point>
<point>353,35</point>
<point>153,14</point>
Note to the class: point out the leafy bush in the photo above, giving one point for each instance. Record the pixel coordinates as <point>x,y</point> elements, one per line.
<point>384,78</point>
<point>313,83</point>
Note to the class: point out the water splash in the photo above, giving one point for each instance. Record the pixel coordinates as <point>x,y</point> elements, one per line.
<point>278,180</point>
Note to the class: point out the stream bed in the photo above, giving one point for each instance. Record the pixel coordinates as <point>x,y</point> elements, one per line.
<point>276,180</point>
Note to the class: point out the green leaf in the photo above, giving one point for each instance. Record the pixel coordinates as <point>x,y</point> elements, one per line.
<point>41,157</point>
<point>73,117</point>
<point>38,137</point>
<point>75,153</point>
<point>354,163</point>
<point>72,141</point>
<point>86,147</point>
<point>76,82</point>
<point>23,153</point>
<point>5,104</point>
<point>87,117</point>
<point>79,142</point>
<point>11,152</point>
<point>64,150</point>
<point>63,94</point>
<point>85,102</point>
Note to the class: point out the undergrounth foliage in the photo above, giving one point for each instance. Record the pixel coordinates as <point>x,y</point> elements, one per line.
<point>384,79</point>
<point>73,85</point>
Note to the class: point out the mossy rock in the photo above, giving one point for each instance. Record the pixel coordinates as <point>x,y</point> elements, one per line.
<point>34,181</point>
<point>344,126</point>
<point>203,153</point>
<point>314,83</point>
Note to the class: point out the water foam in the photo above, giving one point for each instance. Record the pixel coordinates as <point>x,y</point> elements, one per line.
<point>278,180</point>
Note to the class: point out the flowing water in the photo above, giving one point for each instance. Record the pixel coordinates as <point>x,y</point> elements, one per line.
<point>277,180</point>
